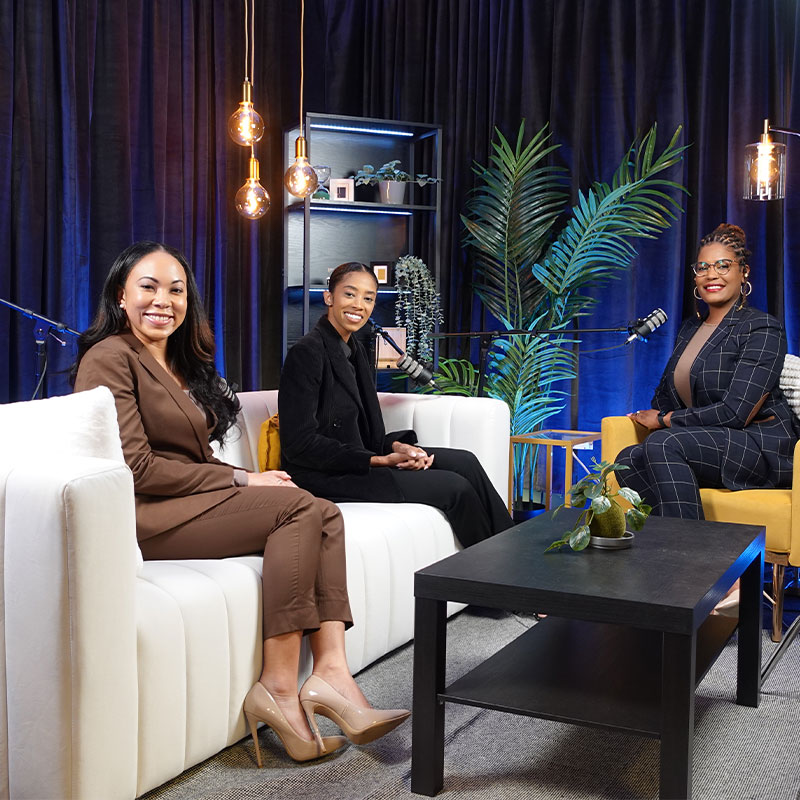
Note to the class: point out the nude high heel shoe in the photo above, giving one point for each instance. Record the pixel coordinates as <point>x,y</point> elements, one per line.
<point>360,725</point>
<point>260,706</point>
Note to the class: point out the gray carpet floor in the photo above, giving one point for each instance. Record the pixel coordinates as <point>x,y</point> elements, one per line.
<point>739,752</point>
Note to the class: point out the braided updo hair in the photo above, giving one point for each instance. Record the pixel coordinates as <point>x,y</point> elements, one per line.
<point>731,236</point>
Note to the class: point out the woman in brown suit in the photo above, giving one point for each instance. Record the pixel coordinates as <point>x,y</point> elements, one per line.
<point>151,345</point>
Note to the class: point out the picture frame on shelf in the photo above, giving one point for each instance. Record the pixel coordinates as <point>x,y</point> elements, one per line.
<point>382,271</point>
<point>342,189</point>
<point>386,354</point>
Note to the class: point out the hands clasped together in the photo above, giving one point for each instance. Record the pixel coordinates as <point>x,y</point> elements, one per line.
<point>403,456</point>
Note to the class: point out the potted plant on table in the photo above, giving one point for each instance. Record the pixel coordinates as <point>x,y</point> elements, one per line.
<point>604,517</point>
<point>390,180</point>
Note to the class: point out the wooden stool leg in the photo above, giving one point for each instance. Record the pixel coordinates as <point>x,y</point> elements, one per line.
<point>778,577</point>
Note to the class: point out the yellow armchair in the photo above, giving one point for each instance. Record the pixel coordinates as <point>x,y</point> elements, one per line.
<point>769,507</point>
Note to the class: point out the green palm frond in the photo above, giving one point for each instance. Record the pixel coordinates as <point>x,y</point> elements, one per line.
<point>509,220</point>
<point>456,376</point>
<point>594,246</point>
<point>526,372</point>
<point>509,224</point>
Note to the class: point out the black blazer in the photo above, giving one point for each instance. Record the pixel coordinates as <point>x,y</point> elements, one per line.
<point>331,423</point>
<point>739,364</point>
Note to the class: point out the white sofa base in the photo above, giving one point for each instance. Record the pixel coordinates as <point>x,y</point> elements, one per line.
<point>121,675</point>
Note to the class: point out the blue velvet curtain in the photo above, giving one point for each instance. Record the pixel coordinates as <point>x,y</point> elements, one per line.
<point>113,128</point>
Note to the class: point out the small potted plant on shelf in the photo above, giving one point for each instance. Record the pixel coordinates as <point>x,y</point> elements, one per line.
<point>604,518</point>
<point>390,180</point>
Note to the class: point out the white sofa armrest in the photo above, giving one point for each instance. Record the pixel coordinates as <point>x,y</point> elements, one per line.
<point>70,568</point>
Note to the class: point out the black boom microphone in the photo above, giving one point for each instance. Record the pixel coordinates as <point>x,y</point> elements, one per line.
<point>642,328</point>
<point>421,374</point>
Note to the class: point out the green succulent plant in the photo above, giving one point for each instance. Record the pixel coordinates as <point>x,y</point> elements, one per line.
<point>369,176</point>
<point>594,488</point>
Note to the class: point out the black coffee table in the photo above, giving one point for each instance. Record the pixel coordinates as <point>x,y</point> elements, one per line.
<point>626,642</point>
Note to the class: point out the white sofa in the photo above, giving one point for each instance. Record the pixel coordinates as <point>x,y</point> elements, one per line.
<point>116,675</point>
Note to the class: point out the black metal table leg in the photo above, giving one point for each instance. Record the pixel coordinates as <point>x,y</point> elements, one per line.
<point>748,672</point>
<point>677,715</point>
<point>427,733</point>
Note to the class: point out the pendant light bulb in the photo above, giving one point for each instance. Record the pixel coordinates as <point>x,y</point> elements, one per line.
<point>252,200</point>
<point>245,125</point>
<point>300,179</point>
<point>765,169</point>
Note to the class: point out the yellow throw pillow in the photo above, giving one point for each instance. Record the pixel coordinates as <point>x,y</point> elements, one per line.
<point>269,445</point>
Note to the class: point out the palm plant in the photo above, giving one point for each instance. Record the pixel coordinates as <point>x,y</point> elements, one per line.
<point>531,278</point>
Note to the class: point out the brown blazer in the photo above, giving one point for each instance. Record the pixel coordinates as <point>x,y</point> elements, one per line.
<point>164,436</point>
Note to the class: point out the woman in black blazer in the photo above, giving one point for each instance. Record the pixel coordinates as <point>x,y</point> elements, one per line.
<point>333,442</point>
<point>719,418</point>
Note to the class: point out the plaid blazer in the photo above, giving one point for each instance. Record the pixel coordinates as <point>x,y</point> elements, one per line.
<point>738,366</point>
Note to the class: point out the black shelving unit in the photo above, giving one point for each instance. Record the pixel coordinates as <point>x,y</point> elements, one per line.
<point>320,234</point>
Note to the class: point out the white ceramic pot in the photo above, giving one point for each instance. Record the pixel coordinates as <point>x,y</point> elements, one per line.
<point>393,192</point>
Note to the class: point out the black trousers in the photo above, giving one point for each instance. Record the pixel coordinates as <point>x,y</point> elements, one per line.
<point>457,485</point>
<point>668,468</point>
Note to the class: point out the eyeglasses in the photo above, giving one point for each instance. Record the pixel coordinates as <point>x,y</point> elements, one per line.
<point>721,267</point>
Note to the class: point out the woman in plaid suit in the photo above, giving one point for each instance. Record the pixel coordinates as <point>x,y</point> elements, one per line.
<point>719,418</point>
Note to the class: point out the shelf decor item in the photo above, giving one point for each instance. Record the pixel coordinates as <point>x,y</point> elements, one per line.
<point>381,270</point>
<point>418,306</point>
<point>323,175</point>
<point>604,517</point>
<point>390,180</point>
<point>300,179</point>
<point>246,127</point>
<point>341,189</point>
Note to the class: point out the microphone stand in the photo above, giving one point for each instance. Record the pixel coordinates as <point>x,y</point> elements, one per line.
<point>43,328</point>
<point>486,338</point>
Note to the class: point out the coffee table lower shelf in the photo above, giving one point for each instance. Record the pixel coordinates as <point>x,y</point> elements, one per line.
<point>584,673</point>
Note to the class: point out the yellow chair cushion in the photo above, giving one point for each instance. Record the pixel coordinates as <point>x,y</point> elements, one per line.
<point>269,445</point>
<point>769,507</point>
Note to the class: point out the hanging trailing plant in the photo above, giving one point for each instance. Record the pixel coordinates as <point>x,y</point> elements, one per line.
<point>418,307</point>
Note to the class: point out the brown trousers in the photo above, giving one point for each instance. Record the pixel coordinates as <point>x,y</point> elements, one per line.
<point>304,581</point>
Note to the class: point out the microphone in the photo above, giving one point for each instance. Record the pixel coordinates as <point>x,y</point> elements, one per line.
<point>415,370</point>
<point>642,328</point>
<point>412,368</point>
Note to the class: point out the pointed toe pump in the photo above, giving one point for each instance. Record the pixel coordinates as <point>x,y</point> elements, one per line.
<point>260,706</point>
<point>360,725</point>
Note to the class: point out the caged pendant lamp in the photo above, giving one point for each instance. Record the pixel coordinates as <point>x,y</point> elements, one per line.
<point>246,127</point>
<point>765,166</point>
<point>300,179</point>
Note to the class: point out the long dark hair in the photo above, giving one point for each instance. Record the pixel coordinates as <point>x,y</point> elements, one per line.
<point>190,349</point>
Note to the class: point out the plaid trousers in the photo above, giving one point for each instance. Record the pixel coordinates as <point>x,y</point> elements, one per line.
<point>670,466</point>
